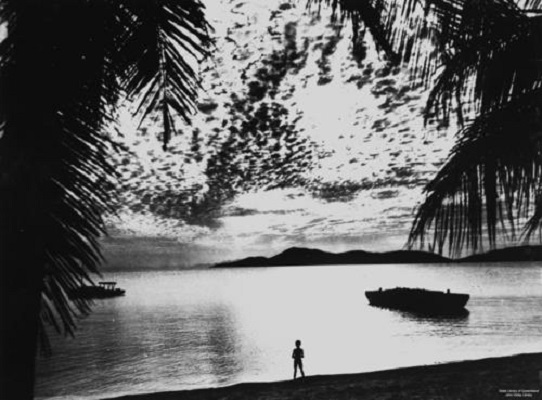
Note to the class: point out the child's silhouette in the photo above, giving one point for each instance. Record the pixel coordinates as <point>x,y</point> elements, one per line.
<point>298,354</point>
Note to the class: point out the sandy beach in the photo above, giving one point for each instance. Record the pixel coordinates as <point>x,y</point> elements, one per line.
<point>513,377</point>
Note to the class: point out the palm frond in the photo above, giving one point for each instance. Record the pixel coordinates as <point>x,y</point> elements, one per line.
<point>484,51</point>
<point>492,57</point>
<point>535,222</point>
<point>529,5</point>
<point>56,93</point>
<point>165,39</point>
<point>490,185</point>
<point>363,14</point>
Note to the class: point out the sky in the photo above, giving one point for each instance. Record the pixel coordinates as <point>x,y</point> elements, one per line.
<point>298,141</point>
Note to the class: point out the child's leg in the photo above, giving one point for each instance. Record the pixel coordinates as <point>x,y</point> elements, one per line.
<point>295,369</point>
<point>301,368</point>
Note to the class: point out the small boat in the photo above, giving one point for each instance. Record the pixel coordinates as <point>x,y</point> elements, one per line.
<point>102,291</point>
<point>419,300</point>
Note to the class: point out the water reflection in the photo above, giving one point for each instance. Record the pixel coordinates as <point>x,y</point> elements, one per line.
<point>461,315</point>
<point>456,324</point>
<point>223,344</point>
<point>183,330</point>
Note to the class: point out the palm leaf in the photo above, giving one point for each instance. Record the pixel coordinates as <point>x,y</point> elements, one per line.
<point>477,47</point>
<point>56,96</point>
<point>492,58</point>
<point>165,40</point>
<point>485,55</point>
<point>408,31</point>
<point>58,178</point>
<point>59,72</point>
<point>493,175</point>
<point>366,14</point>
<point>535,222</point>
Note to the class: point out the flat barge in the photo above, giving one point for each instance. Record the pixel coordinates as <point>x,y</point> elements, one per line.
<point>419,300</point>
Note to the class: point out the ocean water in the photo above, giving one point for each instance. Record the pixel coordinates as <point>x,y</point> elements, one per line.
<point>203,328</point>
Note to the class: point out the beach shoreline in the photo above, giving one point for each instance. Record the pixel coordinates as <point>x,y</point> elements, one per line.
<point>513,377</point>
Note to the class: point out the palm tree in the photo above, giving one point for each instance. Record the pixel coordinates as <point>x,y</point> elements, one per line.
<point>64,65</point>
<point>482,61</point>
<point>490,186</point>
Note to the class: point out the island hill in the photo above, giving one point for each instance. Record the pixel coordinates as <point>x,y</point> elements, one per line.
<point>301,256</point>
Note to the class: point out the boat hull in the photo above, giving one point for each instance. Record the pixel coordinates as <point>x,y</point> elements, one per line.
<point>418,300</point>
<point>95,292</point>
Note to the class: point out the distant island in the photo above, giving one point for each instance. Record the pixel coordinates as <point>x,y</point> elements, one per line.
<point>296,256</point>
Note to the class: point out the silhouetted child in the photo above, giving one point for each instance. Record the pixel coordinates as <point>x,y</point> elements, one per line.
<point>298,354</point>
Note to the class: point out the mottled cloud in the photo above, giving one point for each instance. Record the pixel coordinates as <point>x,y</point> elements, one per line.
<point>299,141</point>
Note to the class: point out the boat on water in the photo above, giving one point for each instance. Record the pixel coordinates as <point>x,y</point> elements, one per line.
<point>102,291</point>
<point>419,300</point>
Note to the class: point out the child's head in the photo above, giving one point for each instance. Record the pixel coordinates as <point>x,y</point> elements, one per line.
<point>297,343</point>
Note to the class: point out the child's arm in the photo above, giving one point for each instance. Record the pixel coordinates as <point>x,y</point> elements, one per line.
<point>302,353</point>
<point>293,354</point>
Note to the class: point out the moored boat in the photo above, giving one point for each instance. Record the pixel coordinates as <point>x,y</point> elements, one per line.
<point>418,300</point>
<point>102,291</point>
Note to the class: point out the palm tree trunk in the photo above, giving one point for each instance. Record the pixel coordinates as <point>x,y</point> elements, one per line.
<point>24,152</point>
<point>20,303</point>
<point>21,275</point>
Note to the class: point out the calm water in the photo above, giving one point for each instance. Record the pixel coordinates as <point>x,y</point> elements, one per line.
<point>190,329</point>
